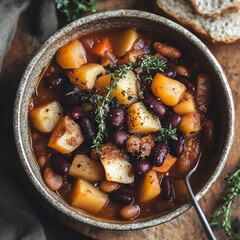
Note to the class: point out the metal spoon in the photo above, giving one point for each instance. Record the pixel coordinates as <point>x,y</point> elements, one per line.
<point>197,207</point>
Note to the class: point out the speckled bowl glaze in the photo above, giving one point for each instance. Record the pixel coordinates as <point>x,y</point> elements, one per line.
<point>171,32</point>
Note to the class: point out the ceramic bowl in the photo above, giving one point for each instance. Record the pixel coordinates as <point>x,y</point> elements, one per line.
<point>171,32</point>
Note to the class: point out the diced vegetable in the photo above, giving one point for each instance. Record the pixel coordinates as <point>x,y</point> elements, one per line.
<point>86,197</point>
<point>102,47</point>
<point>169,91</point>
<point>149,187</point>
<point>190,124</point>
<point>167,164</point>
<point>66,137</point>
<point>46,117</point>
<point>86,168</point>
<point>117,169</point>
<point>140,120</point>
<point>72,55</point>
<point>86,75</point>
<point>203,92</point>
<point>186,105</point>
<point>125,42</point>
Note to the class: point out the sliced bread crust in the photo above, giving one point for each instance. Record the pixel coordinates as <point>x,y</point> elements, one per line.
<point>225,28</point>
<point>215,8</point>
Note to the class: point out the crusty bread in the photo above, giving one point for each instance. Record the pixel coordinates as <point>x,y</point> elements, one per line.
<point>225,28</point>
<point>214,8</point>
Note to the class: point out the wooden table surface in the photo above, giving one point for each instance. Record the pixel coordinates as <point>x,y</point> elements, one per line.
<point>187,226</point>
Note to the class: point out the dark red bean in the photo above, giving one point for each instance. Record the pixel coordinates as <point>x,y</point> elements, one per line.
<point>173,119</point>
<point>187,82</point>
<point>159,153</point>
<point>121,196</point>
<point>70,95</point>
<point>142,167</point>
<point>60,165</point>
<point>55,80</point>
<point>120,136</point>
<point>75,113</point>
<point>169,73</point>
<point>177,146</point>
<point>167,189</point>
<point>87,127</point>
<point>154,105</point>
<point>69,157</point>
<point>117,117</point>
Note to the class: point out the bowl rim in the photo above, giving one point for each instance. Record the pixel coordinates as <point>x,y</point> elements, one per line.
<point>102,223</point>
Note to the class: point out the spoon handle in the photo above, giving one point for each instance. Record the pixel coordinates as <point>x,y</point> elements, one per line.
<point>200,213</point>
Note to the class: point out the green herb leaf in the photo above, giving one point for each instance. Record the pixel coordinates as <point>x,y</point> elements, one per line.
<point>166,134</point>
<point>222,216</point>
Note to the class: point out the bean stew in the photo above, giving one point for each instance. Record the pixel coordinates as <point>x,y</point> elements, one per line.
<point>118,119</point>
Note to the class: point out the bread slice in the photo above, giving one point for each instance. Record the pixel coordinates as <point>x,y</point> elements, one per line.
<point>214,8</point>
<point>225,28</point>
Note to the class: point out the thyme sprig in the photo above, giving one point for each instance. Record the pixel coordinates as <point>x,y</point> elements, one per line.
<point>222,216</point>
<point>166,134</point>
<point>74,9</point>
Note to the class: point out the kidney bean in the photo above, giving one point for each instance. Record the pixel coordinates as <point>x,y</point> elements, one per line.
<point>181,70</point>
<point>107,186</point>
<point>42,160</point>
<point>70,95</point>
<point>117,117</point>
<point>203,92</point>
<point>130,212</point>
<point>159,153</point>
<point>69,157</point>
<point>173,119</point>
<point>169,73</point>
<point>154,105</point>
<point>120,136</point>
<point>121,196</point>
<point>55,80</point>
<point>177,146</point>
<point>60,165</point>
<point>52,180</point>
<point>167,189</point>
<point>75,113</point>
<point>142,167</point>
<point>87,127</point>
<point>187,82</point>
<point>167,50</point>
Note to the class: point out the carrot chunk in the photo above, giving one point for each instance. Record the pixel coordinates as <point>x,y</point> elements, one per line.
<point>102,47</point>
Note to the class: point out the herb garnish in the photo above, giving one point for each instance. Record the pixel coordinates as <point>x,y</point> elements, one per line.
<point>73,9</point>
<point>166,134</point>
<point>222,216</point>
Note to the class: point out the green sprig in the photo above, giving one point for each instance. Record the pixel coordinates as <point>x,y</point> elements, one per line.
<point>166,134</point>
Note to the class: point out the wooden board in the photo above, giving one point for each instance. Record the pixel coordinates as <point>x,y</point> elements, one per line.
<point>186,226</point>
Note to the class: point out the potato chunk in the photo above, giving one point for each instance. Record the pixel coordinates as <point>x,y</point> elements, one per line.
<point>190,124</point>
<point>186,105</point>
<point>149,187</point>
<point>125,41</point>
<point>86,197</point>
<point>140,120</point>
<point>117,169</point>
<point>46,117</point>
<point>169,91</point>
<point>66,137</point>
<point>72,55</point>
<point>86,168</point>
<point>86,75</point>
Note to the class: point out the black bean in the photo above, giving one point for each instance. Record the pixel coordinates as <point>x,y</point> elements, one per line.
<point>60,165</point>
<point>121,196</point>
<point>120,136</point>
<point>117,117</point>
<point>167,189</point>
<point>87,127</point>
<point>177,146</point>
<point>187,82</point>
<point>154,105</point>
<point>56,80</point>
<point>142,167</point>
<point>169,73</point>
<point>173,119</point>
<point>75,113</point>
<point>159,153</point>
